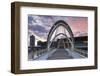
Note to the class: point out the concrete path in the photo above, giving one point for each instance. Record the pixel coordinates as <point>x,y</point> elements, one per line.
<point>60,54</point>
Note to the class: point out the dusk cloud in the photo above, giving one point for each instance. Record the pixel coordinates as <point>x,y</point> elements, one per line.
<point>41,24</point>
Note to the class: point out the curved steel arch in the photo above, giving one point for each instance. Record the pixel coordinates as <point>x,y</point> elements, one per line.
<point>55,26</point>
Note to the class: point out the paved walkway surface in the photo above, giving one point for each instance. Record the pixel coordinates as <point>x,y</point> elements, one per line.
<point>60,54</point>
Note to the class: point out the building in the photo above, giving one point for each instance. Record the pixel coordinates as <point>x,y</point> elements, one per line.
<point>81,40</point>
<point>32,41</point>
<point>42,44</point>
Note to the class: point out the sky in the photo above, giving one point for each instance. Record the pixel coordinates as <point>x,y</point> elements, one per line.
<point>39,25</point>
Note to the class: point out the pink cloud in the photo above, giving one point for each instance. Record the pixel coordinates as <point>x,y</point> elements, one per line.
<point>78,24</point>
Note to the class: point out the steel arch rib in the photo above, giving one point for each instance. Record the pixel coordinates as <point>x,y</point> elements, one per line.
<point>56,25</point>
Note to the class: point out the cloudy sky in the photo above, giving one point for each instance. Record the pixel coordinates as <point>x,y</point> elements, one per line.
<point>39,25</point>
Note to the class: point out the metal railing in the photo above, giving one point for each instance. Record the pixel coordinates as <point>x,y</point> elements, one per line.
<point>37,53</point>
<point>40,52</point>
<point>82,52</point>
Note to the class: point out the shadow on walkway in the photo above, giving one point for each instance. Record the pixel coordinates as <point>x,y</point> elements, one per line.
<point>60,54</point>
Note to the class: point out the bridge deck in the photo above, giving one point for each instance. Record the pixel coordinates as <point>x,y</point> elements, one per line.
<point>60,54</point>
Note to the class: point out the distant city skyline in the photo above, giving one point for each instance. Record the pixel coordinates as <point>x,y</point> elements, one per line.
<point>39,25</point>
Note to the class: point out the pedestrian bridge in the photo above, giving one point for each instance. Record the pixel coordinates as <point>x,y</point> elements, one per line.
<point>60,44</point>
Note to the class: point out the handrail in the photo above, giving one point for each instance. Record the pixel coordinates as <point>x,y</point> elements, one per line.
<point>38,53</point>
<point>80,51</point>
